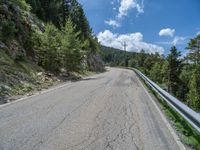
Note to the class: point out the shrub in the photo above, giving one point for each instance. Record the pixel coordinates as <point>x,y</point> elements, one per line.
<point>8,30</point>
<point>22,4</point>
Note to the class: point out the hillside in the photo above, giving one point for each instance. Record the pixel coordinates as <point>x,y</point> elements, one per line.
<point>40,42</point>
<point>117,57</point>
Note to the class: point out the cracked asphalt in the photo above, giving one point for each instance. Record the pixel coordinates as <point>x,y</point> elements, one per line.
<point>109,111</point>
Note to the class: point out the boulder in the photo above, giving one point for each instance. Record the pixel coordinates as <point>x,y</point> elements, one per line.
<point>40,73</point>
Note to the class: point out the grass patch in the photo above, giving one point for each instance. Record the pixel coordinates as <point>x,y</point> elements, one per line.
<point>22,88</point>
<point>17,77</point>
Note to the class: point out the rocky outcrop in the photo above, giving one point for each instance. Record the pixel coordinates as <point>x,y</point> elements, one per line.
<point>16,26</point>
<point>95,63</point>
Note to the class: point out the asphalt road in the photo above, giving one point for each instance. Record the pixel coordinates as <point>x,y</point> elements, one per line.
<point>109,111</point>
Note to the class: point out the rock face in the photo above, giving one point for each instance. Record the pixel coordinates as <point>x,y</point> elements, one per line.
<point>16,25</point>
<point>95,63</point>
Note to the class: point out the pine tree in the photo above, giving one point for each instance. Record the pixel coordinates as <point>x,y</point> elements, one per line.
<point>173,71</point>
<point>155,72</point>
<point>71,47</point>
<point>48,48</point>
<point>194,89</point>
<point>194,50</point>
<point>36,8</point>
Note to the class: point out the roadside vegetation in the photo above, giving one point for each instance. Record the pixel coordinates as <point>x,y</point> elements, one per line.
<point>52,37</point>
<point>179,75</point>
<point>188,135</point>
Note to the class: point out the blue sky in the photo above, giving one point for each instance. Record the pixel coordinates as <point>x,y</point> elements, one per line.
<point>153,25</point>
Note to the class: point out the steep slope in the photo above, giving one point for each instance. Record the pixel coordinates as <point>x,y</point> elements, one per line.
<point>25,49</point>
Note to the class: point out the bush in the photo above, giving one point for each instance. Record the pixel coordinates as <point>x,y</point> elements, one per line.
<point>194,89</point>
<point>47,47</point>
<point>71,48</point>
<point>22,4</point>
<point>8,30</point>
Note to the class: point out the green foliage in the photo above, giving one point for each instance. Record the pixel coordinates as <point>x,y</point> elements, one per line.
<point>36,7</point>
<point>194,89</point>
<point>116,57</point>
<point>173,71</point>
<point>178,76</point>
<point>57,49</point>
<point>189,135</point>
<point>8,30</point>
<point>63,41</point>
<point>59,11</point>
<point>22,4</point>
<point>164,70</point>
<point>156,73</point>
<point>71,47</point>
<point>66,42</point>
<point>77,39</point>
<point>141,59</point>
<point>48,47</point>
<point>194,50</point>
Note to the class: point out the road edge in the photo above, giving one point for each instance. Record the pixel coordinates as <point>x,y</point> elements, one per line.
<point>50,89</point>
<point>163,117</point>
<point>25,97</point>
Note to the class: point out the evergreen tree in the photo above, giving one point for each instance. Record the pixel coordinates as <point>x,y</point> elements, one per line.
<point>194,50</point>
<point>194,89</point>
<point>71,47</point>
<point>48,48</point>
<point>173,71</point>
<point>155,73</point>
<point>36,8</point>
<point>141,58</point>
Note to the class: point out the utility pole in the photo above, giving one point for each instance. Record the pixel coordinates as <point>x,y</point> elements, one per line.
<point>126,60</point>
<point>124,45</point>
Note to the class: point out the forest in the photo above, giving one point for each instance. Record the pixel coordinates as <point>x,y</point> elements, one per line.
<point>53,33</point>
<point>179,75</point>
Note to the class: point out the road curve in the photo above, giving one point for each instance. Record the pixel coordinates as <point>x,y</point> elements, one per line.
<point>109,111</point>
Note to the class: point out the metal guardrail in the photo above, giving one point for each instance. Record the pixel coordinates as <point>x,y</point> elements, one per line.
<point>187,113</point>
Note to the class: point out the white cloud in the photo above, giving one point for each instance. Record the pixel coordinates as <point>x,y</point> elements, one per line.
<point>167,32</point>
<point>178,40</point>
<point>198,33</point>
<point>112,23</point>
<point>134,41</point>
<point>126,5</point>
